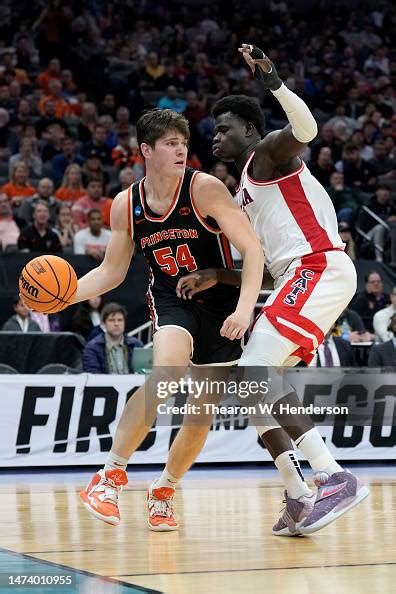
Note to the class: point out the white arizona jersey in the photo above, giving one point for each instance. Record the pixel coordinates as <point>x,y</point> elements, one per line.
<point>293,216</point>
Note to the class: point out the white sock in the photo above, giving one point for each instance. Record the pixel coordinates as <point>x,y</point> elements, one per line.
<point>291,474</point>
<point>166,480</point>
<point>316,452</point>
<point>114,461</point>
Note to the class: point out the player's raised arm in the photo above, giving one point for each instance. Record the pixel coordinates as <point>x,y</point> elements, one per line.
<point>214,200</point>
<point>281,145</point>
<point>119,252</point>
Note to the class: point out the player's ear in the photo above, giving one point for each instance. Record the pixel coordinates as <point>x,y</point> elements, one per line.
<point>146,149</point>
<point>249,129</point>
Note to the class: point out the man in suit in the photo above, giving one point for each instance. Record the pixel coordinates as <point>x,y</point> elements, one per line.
<point>384,355</point>
<point>333,352</point>
<point>111,351</point>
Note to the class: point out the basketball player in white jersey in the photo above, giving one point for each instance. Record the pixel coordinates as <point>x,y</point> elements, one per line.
<point>314,281</point>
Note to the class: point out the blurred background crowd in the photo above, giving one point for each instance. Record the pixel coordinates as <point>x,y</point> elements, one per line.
<point>75,76</point>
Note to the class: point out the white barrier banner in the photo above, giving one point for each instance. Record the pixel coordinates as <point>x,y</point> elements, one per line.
<point>60,420</point>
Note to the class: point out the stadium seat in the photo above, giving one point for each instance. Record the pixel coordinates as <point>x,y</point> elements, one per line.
<point>7,368</point>
<point>57,369</point>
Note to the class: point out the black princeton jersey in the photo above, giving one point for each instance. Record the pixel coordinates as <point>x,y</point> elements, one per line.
<point>180,241</point>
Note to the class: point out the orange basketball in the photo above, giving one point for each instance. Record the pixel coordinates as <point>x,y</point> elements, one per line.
<point>47,284</point>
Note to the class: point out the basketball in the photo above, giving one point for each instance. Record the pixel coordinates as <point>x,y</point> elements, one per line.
<point>47,284</point>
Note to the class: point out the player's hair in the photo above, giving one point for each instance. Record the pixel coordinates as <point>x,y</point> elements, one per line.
<point>243,107</point>
<point>112,308</point>
<point>155,123</point>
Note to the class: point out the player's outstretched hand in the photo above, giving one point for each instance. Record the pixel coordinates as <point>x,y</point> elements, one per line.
<point>261,66</point>
<point>235,326</point>
<point>195,282</point>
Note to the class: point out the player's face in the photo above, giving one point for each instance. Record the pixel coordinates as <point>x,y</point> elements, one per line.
<point>170,153</point>
<point>229,137</point>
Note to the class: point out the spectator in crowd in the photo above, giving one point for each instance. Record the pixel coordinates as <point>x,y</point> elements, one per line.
<point>126,178</point>
<point>55,95</point>
<point>384,354</point>
<point>382,319</point>
<point>93,169</point>
<point>38,236</point>
<point>46,322</point>
<point>21,320</point>
<point>153,70</point>
<point>345,232</point>
<point>44,193</point>
<point>220,171</point>
<point>48,118</point>
<point>72,187</point>
<point>18,188</point>
<point>323,167</point>
<point>53,72</point>
<point>371,300</point>
<point>27,154</point>
<point>123,124</point>
<point>111,351</point>
<point>93,239</point>
<point>93,199</point>
<point>326,138</point>
<point>9,230</point>
<point>344,199</point>
<point>333,352</point>
<point>87,321</point>
<point>124,155</point>
<point>172,100</point>
<point>52,143</point>
<point>97,145</point>
<point>68,156</point>
<point>381,207</point>
<point>88,122</point>
<point>65,227</point>
<point>357,172</point>
<point>108,124</point>
<point>382,163</point>
<point>108,106</point>
<point>8,138</point>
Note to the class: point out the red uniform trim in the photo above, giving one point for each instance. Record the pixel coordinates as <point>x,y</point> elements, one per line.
<point>279,310</point>
<point>225,244</point>
<point>302,211</point>
<point>257,182</point>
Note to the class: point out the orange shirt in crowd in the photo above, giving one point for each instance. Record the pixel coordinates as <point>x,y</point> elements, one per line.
<point>81,208</point>
<point>69,195</point>
<point>13,190</point>
<point>44,78</point>
<point>62,108</point>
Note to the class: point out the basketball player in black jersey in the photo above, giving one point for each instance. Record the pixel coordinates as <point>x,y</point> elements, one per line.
<point>180,219</point>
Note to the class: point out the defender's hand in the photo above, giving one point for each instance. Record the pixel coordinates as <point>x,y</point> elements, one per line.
<point>195,282</point>
<point>261,66</point>
<point>235,326</point>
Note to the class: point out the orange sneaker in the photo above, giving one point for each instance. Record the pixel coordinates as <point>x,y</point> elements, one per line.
<point>161,517</point>
<point>101,496</point>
